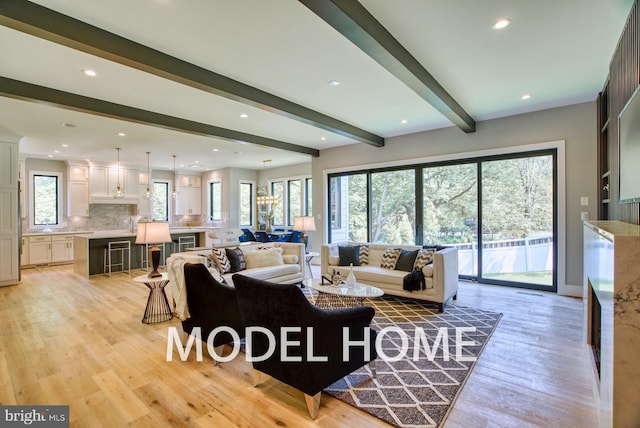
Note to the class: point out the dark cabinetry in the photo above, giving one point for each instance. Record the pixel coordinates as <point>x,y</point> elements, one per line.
<point>604,167</point>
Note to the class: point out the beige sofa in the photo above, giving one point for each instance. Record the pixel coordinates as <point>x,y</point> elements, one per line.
<point>291,271</point>
<point>441,276</point>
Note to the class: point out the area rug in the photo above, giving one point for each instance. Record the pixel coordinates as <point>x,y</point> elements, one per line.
<point>417,391</point>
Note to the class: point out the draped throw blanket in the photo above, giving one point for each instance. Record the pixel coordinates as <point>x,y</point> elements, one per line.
<point>175,290</point>
<point>414,281</point>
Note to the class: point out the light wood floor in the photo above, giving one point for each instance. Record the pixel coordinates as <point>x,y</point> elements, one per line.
<point>68,340</point>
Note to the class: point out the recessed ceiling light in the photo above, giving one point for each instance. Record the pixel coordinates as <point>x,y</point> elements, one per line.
<point>525,97</point>
<point>181,165</point>
<point>215,150</point>
<point>121,134</point>
<point>65,145</point>
<point>323,138</point>
<point>501,23</point>
<point>404,121</point>
<point>69,125</point>
<point>56,151</point>
<point>89,72</point>
<point>244,115</point>
<point>49,156</point>
<point>334,83</point>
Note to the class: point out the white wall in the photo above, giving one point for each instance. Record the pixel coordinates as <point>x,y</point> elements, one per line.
<point>575,124</point>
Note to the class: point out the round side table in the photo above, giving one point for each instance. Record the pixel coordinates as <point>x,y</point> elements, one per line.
<point>158,309</point>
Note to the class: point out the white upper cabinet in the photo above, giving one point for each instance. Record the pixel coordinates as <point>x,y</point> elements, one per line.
<point>188,180</point>
<point>103,181</point>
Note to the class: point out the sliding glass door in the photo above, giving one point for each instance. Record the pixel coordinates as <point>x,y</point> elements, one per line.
<point>498,211</point>
<point>518,221</point>
<point>450,212</point>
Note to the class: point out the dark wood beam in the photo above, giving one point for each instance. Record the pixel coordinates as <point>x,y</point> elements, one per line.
<point>50,25</point>
<point>355,22</point>
<point>52,97</point>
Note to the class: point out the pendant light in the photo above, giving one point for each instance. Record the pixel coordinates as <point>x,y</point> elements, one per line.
<point>173,192</point>
<point>148,194</point>
<point>119,192</point>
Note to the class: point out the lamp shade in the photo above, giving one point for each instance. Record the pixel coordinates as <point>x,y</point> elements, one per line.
<point>154,232</point>
<point>304,223</point>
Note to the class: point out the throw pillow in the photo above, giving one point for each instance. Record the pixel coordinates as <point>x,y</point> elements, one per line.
<point>236,259</point>
<point>221,260</point>
<point>216,275</point>
<point>390,258</point>
<point>406,259</point>
<point>424,258</point>
<point>263,258</point>
<point>290,259</point>
<point>364,254</point>
<point>349,254</point>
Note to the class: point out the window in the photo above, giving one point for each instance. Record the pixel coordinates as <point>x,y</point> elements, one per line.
<point>277,190</point>
<point>215,201</point>
<point>308,208</point>
<point>246,203</point>
<point>46,199</point>
<point>160,200</point>
<point>294,200</point>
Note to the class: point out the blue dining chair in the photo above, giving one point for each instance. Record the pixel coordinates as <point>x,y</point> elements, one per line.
<point>296,236</point>
<point>262,236</point>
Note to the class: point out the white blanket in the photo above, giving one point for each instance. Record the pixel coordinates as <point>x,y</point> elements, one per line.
<point>175,290</point>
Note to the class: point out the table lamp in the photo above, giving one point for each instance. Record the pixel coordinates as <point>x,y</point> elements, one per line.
<point>155,232</point>
<point>304,224</point>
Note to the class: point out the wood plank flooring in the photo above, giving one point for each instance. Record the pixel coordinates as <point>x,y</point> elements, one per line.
<point>69,340</point>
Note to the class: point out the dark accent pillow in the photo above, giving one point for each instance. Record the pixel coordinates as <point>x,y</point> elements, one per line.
<point>406,259</point>
<point>236,259</point>
<point>349,254</point>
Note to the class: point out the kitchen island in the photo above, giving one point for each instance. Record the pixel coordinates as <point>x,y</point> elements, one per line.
<point>88,249</point>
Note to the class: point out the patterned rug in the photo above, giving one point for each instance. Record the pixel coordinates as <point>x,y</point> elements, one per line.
<point>416,391</point>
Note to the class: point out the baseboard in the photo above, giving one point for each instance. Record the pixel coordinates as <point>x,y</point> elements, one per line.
<point>570,290</point>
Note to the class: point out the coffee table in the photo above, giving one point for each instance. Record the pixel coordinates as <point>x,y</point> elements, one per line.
<point>342,296</point>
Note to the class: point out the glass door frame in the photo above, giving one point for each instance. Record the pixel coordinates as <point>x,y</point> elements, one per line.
<point>532,286</point>
<point>553,151</point>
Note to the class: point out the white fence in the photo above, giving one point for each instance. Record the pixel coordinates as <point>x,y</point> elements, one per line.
<point>514,255</point>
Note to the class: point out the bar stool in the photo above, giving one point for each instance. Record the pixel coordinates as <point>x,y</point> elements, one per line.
<point>186,242</point>
<point>115,247</point>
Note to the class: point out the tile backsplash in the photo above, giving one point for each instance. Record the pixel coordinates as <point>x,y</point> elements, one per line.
<point>111,217</point>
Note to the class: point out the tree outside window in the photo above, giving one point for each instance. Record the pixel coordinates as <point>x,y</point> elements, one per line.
<point>45,199</point>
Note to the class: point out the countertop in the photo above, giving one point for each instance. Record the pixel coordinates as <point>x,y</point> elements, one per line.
<point>105,234</point>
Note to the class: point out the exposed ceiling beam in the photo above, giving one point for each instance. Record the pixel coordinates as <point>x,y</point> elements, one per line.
<point>53,97</point>
<point>50,25</point>
<point>355,22</point>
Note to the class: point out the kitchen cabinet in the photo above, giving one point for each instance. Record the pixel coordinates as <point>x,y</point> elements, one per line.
<point>78,173</point>
<point>61,248</point>
<point>188,201</point>
<point>78,198</point>
<point>188,198</point>
<point>39,250</point>
<point>22,180</point>
<point>77,190</point>
<point>48,249</point>
<point>188,181</point>
<point>9,265</point>
<point>144,203</point>
<point>103,181</point>
<point>24,256</point>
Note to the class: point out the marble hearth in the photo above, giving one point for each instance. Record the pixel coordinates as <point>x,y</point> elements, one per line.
<point>612,287</point>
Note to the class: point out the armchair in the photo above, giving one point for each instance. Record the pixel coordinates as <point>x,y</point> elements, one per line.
<point>211,304</point>
<point>273,306</point>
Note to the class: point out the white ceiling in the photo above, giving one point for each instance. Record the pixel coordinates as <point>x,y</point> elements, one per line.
<point>556,50</point>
